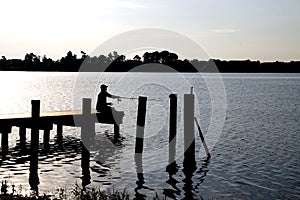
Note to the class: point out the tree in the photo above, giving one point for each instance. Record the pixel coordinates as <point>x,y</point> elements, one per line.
<point>3,61</point>
<point>137,58</point>
<point>83,55</point>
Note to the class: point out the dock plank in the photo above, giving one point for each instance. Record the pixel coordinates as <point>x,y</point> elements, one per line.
<point>45,114</point>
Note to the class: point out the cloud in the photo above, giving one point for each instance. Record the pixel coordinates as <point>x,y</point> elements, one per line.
<point>225,30</point>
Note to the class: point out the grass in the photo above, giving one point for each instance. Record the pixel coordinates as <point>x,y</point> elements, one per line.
<point>77,193</point>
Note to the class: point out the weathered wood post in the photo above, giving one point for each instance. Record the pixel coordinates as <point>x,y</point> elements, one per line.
<point>46,139</point>
<point>87,133</point>
<point>202,138</point>
<point>140,126</point>
<point>22,135</point>
<point>189,161</point>
<point>172,128</point>
<point>117,130</point>
<point>34,145</point>
<point>4,143</point>
<point>87,122</point>
<point>4,139</point>
<point>189,131</point>
<point>59,129</point>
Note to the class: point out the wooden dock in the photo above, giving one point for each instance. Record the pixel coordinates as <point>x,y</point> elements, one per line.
<point>87,117</point>
<point>36,121</point>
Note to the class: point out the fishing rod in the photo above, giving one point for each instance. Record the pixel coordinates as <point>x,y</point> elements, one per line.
<point>130,98</point>
<point>134,98</point>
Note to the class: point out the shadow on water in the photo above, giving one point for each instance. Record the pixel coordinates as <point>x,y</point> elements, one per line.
<point>59,149</point>
<point>140,183</point>
<point>190,171</point>
<point>202,171</point>
<point>70,146</point>
<point>106,145</point>
<point>172,170</point>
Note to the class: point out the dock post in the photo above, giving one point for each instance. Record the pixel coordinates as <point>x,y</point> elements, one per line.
<point>46,139</point>
<point>141,117</point>
<point>87,134</point>
<point>189,131</point>
<point>22,135</point>
<point>4,143</point>
<point>172,128</point>
<point>4,140</point>
<point>116,130</point>
<point>34,147</point>
<point>59,130</point>
<point>87,123</point>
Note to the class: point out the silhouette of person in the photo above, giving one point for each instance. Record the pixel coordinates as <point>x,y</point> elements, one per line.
<point>102,105</point>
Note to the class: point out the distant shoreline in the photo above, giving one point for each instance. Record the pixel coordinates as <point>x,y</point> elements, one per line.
<point>160,62</point>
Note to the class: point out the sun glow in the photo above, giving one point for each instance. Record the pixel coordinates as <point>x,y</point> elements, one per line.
<point>11,90</point>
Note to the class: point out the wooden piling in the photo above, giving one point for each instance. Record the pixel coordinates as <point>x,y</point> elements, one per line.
<point>87,123</point>
<point>117,130</point>
<point>172,128</point>
<point>189,131</point>
<point>59,129</point>
<point>4,142</point>
<point>46,139</point>
<point>34,147</point>
<point>202,139</point>
<point>87,134</point>
<point>141,117</point>
<point>22,135</point>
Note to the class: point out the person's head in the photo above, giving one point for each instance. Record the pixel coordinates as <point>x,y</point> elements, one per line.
<point>103,87</point>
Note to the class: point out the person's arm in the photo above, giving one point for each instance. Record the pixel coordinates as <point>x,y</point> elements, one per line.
<point>111,96</point>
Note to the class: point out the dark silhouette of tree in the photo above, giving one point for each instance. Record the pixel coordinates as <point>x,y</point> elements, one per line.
<point>114,62</point>
<point>137,58</point>
<point>3,62</point>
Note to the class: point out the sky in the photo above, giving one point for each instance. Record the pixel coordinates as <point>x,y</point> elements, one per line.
<point>265,30</point>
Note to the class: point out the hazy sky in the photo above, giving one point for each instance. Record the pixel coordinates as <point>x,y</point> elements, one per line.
<point>264,30</point>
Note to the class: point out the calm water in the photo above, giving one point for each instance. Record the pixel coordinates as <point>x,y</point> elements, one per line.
<point>251,123</point>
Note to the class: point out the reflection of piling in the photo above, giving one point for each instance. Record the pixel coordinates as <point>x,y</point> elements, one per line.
<point>189,135</point>
<point>172,128</point>
<point>141,117</point>
<point>33,175</point>
<point>85,165</point>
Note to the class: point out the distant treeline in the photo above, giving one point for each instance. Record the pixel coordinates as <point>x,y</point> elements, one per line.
<point>114,62</point>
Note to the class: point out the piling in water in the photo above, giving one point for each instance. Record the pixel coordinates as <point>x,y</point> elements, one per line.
<point>59,130</point>
<point>46,139</point>
<point>172,128</point>
<point>22,135</point>
<point>202,138</point>
<point>4,142</point>
<point>141,117</point>
<point>189,135</point>
<point>87,124</point>
<point>34,146</point>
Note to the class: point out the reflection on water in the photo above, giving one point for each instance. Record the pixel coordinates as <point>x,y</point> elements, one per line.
<point>140,183</point>
<point>256,157</point>
<point>172,169</point>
